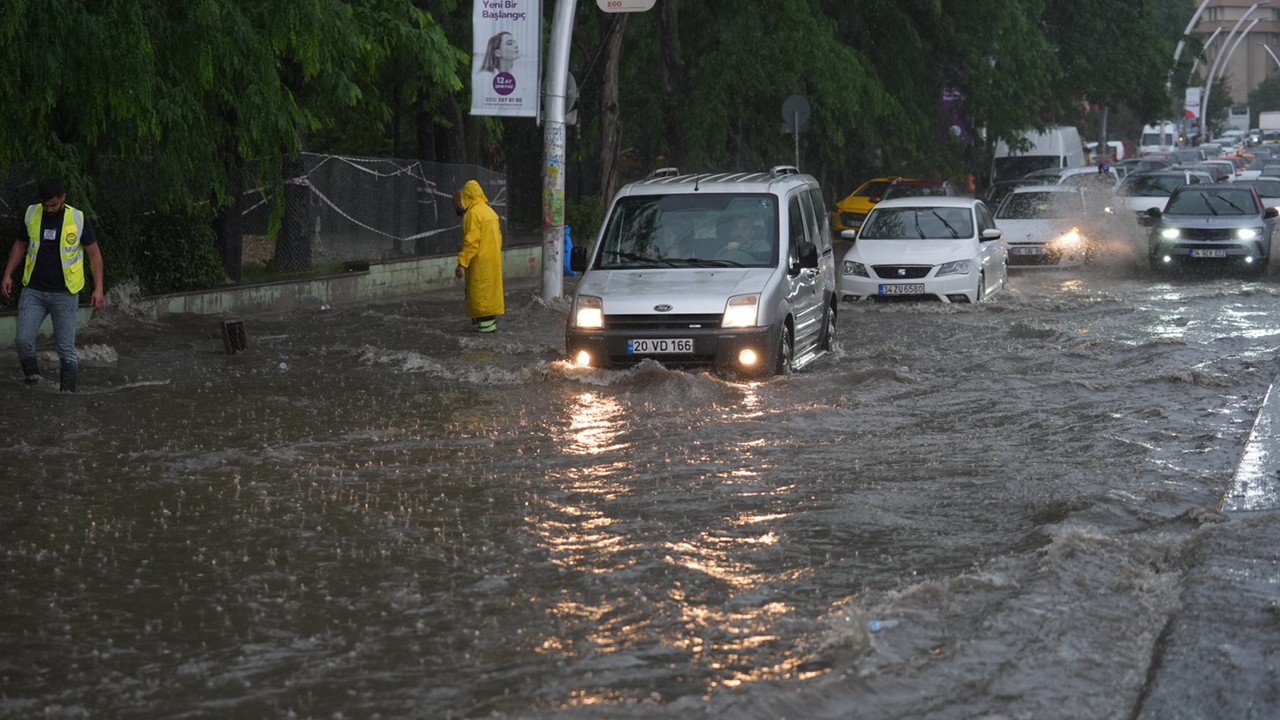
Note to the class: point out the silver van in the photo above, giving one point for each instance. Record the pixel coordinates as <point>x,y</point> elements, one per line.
<point>733,271</point>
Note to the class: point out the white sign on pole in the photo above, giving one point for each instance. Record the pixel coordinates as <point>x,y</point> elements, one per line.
<point>616,6</point>
<point>505,57</point>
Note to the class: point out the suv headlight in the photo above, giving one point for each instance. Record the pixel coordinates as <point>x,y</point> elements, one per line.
<point>956,267</point>
<point>855,268</point>
<point>589,312</point>
<point>1247,233</point>
<point>1170,233</point>
<point>741,311</point>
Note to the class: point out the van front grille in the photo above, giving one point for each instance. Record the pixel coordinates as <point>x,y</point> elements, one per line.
<point>662,322</point>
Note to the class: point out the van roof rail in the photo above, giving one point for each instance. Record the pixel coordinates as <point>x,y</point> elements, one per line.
<point>780,170</point>
<point>665,172</point>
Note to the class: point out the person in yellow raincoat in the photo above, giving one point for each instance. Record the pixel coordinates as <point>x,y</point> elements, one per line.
<point>480,260</point>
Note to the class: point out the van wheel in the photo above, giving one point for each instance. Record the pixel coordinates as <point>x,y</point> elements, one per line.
<point>786,352</point>
<point>829,330</point>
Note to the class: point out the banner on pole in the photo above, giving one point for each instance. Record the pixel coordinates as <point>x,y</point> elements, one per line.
<point>505,57</point>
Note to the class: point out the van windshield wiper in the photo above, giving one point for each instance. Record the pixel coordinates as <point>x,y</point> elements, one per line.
<point>633,257</point>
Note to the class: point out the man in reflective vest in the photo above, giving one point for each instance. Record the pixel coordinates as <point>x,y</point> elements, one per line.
<point>59,237</point>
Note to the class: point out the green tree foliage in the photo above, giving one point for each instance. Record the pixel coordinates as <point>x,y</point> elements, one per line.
<point>154,105</point>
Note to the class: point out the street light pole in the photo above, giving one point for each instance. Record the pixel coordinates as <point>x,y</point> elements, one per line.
<point>1225,54</point>
<point>1183,41</point>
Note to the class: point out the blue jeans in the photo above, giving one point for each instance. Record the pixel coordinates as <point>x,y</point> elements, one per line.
<point>33,307</point>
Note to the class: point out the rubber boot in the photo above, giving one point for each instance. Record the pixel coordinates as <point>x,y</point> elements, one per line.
<point>30,371</point>
<point>67,379</point>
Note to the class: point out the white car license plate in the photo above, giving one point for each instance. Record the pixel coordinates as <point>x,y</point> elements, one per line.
<point>1036,250</point>
<point>660,346</point>
<point>902,289</point>
<point>1208,253</point>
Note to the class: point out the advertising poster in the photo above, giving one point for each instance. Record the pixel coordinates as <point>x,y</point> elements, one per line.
<point>505,52</point>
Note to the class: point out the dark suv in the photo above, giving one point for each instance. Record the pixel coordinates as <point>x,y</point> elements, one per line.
<point>1211,224</point>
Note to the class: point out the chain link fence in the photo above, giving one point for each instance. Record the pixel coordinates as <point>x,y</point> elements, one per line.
<point>342,208</point>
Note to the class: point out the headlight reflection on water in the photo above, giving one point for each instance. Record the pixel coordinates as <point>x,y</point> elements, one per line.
<point>667,580</point>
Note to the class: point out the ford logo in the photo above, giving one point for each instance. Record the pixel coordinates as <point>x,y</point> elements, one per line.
<point>662,308</point>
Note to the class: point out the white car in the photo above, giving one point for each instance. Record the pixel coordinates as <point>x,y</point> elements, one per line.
<point>925,248</point>
<point>1042,226</point>
<point>1268,189</point>
<point>1143,191</point>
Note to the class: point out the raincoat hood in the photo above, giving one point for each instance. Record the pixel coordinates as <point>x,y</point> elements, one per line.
<point>472,193</point>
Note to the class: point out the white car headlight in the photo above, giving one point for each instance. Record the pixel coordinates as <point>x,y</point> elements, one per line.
<point>741,311</point>
<point>855,268</point>
<point>1247,233</point>
<point>1069,240</point>
<point>589,313</point>
<point>956,267</point>
<point>1169,233</point>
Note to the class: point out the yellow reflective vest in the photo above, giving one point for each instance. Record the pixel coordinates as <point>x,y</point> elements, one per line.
<point>70,251</point>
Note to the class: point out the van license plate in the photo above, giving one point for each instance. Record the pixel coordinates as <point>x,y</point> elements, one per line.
<point>902,289</point>
<point>663,346</point>
<point>1208,253</point>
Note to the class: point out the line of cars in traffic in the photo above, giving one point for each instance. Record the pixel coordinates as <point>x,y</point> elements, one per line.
<point>1201,213</point>
<point>738,271</point>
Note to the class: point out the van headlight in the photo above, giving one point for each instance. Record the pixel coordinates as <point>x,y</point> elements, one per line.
<point>741,311</point>
<point>588,312</point>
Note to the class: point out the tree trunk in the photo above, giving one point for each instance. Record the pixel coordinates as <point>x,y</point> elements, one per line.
<point>293,245</point>
<point>228,224</point>
<point>610,114</point>
<point>673,84</point>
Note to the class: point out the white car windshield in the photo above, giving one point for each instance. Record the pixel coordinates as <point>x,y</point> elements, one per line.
<point>918,223</point>
<point>1037,205</point>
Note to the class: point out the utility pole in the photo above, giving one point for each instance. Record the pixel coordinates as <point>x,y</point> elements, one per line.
<point>553,141</point>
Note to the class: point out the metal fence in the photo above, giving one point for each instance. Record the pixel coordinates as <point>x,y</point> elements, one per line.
<point>360,208</point>
<point>347,208</point>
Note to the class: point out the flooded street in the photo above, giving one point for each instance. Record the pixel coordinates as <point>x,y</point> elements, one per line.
<point>374,512</point>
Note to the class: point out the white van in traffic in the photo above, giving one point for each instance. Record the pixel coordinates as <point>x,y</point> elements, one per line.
<point>734,271</point>
<point>1162,137</point>
<point>1056,147</point>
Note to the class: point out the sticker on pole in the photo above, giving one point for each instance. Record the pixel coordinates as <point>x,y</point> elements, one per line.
<point>617,6</point>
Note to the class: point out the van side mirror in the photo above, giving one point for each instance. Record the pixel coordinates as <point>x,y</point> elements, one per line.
<point>578,258</point>
<point>807,253</point>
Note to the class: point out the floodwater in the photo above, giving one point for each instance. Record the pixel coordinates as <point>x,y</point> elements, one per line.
<point>374,512</point>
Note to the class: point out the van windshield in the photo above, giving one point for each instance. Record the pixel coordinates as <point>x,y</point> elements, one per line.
<point>691,230</point>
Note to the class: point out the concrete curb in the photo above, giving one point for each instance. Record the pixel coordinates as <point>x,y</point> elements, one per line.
<point>382,281</point>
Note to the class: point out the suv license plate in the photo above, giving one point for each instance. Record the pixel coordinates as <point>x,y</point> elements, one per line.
<point>1208,253</point>
<point>903,289</point>
<point>1034,250</point>
<point>661,346</point>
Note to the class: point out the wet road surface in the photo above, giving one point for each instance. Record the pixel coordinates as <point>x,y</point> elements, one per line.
<point>374,512</point>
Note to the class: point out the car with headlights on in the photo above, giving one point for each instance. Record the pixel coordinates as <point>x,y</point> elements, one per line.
<point>946,249</point>
<point>731,271</point>
<point>1042,226</point>
<point>1211,225</point>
